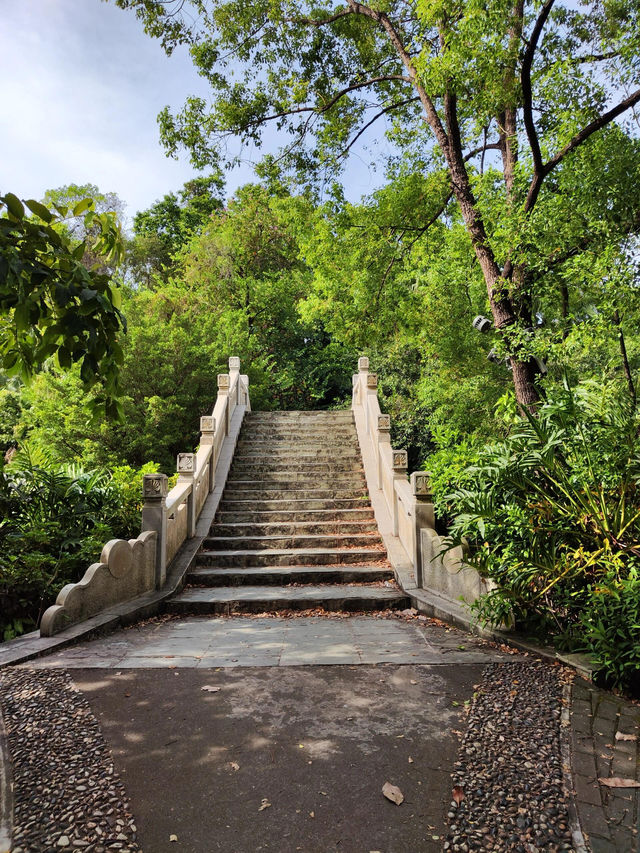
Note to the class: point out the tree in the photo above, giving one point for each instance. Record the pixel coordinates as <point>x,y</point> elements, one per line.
<point>51,303</point>
<point>75,225</point>
<point>499,98</point>
<point>164,228</point>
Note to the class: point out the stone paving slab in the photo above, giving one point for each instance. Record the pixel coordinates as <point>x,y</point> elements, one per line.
<point>610,817</point>
<point>234,642</point>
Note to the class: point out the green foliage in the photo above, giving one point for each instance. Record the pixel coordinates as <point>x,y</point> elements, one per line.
<point>167,226</point>
<point>610,622</point>
<point>51,304</point>
<point>55,520</point>
<point>551,515</point>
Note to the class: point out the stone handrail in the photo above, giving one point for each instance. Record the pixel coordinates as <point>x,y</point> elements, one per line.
<point>129,569</point>
<point>407,502</point>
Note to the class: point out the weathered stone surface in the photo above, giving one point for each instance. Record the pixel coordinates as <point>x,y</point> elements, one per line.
<point>125,570</point>
<point>295,511</point>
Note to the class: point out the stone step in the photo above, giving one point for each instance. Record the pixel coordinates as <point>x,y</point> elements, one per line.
<point>292,528</point>
<point>302,427</point>
<point>259,599</point>
<point>287,467</point>
<point>296,480</point>
<point>313,540</point>
<point>306,453</point>
<point>282,575</point>
<point>294,516</point>
<point>320,415</point>
<point>289,557</point>
<point>296,504</point>
<point>269,494</point>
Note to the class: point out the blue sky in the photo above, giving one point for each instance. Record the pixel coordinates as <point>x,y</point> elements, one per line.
<point>82,86</point>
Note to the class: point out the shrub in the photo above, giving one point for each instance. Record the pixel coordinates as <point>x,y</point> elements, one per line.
<point>55,521</point>
<point>551,513</point>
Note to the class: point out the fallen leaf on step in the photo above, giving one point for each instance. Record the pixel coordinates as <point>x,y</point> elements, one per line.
<point>234,765</point>
<point>413,681</point>
<point>312,814</point>
<point>265,804</point>
<point>393,793</point>
<point>457,794</point>
<point>622,736</point>
<point>210,689</point>
<point>410,760</point>
<point>173,838</point>
<point>618,782</point>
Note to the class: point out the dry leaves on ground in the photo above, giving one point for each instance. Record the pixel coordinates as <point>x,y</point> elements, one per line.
<point>209,689</point>
<point>618,782</point>
<point>264,805</point>
<point>622,736</point>
<point>457,794</point>
<point>393,793</point>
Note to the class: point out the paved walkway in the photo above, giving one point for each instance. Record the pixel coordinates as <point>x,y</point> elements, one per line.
<point>277,734</point>
<point>205,642</point>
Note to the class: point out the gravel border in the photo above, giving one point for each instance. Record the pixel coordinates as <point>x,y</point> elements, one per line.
<point>510,765</point>
<point>67,794</point>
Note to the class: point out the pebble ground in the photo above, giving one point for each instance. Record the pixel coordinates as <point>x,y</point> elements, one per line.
<point>509,771</point>
<point>66,792</point>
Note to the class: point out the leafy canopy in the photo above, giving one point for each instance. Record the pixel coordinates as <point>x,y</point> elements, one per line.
<point>51,303</point>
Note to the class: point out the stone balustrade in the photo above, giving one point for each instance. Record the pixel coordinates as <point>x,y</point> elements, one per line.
<point>168,520</point>
<point>407,502</point>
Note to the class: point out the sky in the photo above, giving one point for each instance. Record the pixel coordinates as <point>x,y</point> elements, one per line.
<point>81,88</point>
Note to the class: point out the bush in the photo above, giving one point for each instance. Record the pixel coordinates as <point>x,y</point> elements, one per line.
<point>55,521</point>
<point>551,513</point>
<point>611,626</point>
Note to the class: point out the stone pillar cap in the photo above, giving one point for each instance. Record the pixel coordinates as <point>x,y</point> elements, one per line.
<point>154,486</point>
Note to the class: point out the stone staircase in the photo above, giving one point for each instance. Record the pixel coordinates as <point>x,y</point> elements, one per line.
<point>295,528</point>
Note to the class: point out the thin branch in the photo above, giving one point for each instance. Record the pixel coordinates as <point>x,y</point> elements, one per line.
<point>329,104</point>
<point>320,22</point>
<point>490,146</point>
<point>374,119</point>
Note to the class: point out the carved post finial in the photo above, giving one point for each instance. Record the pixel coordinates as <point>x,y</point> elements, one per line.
<point>223,383</point>
<point>363,363</point>
<point>421,485</point>
<point>234,363</point>
<point>186,463</point>
<point>399,460</point>
<point>372,380</point>
<point>384,423</point>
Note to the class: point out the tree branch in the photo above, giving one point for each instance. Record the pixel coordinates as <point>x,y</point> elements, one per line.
<point>374,119</point>
<point>320,22</point>
<point>489,146</point>
<point>597,124</point>
<point>525,80</point>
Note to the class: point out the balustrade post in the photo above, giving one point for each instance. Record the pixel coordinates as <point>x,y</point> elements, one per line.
<point>223,391</point>
<point>399,464</point>
<point>234,367</point>
<point>207,438</point>
<point>154,517</point>
<point>186,474</point>
<point>370,390</point>
<point>423,516</point>
<point>245,389</point>
<point>384,439</point>
<point>360,381</point>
